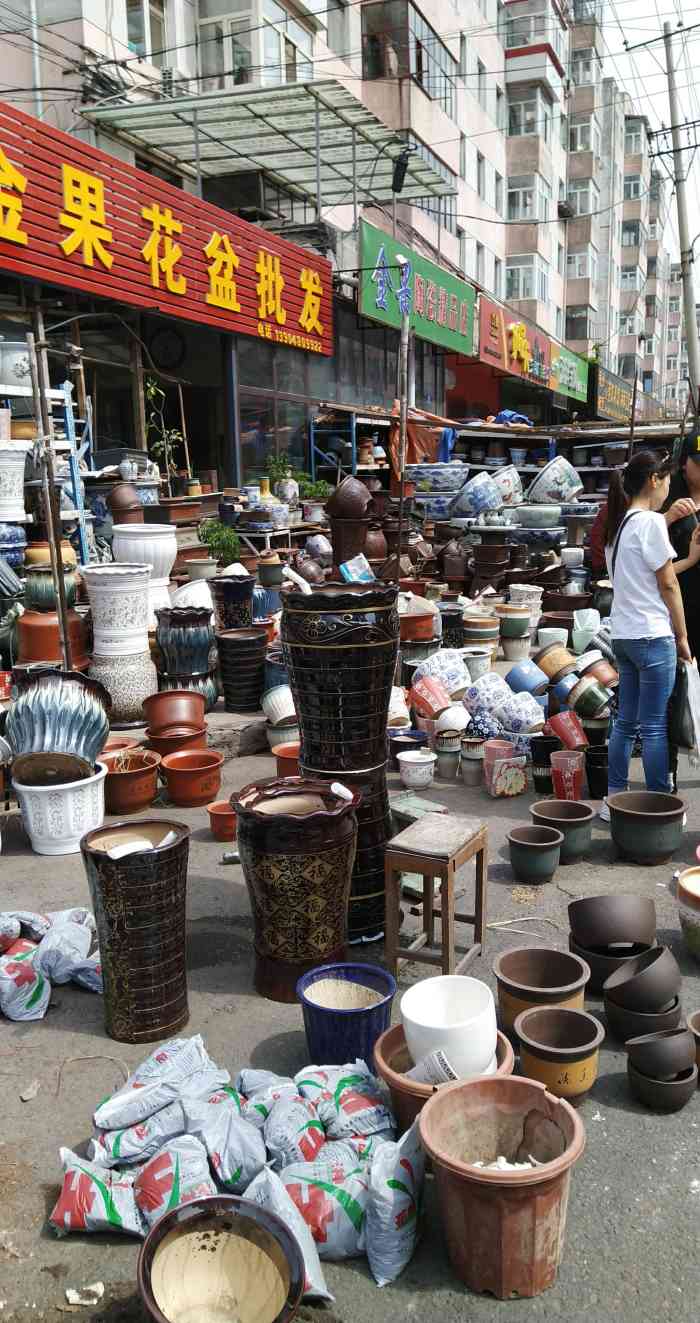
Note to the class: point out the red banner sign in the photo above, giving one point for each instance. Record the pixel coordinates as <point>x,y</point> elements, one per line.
<point>492,334</point>
<point>513,346</point>
<point>73,216</point>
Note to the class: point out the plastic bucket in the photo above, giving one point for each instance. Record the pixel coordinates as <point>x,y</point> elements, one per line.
<point>346,1006</point>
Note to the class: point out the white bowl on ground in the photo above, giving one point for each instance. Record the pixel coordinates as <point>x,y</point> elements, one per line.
<point>455,1014</point>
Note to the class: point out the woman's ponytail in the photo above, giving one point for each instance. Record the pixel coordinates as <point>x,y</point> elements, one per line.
<point>618,504</point>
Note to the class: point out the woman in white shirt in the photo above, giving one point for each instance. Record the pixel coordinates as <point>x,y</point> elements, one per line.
<point>647,620</point>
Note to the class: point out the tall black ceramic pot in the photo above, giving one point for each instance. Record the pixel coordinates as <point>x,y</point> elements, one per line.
<point>232,596</point>
<point>340,644</point>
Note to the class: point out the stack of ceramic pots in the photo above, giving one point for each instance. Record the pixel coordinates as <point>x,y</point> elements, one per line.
<point>340,643</point>
<point>349,510</point>
<point>609,931</point>
<point>661,1068</point>
<point>527,595</point>
<point>232,595</point>
<point>185,636</point>
<point>148,544</point>
<point>242,667</point>
<point>38,633</point>
<point>641,997</point>
<point>121,658</point>
<point>297,840</point>
<point>175,721</point>
<point>515,630</point>
<point>282,724</point>
<point>482,630</point>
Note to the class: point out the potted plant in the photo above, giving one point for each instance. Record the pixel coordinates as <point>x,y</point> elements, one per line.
<point>285,481</point>
<point>162,442</point>
<point>223,542</point>
<point>314,495</point>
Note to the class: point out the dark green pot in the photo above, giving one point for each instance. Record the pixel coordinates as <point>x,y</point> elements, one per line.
<point>40,593</point>
<point>534,854</point>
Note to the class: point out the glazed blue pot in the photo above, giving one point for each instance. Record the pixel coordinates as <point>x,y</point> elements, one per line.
<point>564,687</point>
<point>13,544</point>
<point>186,638</point>
<point>335,1036</point>
<point>266,601</point>
<point>276,672</point>
<point>527,678</point>
<point>63,712</point>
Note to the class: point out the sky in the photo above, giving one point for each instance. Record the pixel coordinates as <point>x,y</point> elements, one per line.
<point>643,74</point>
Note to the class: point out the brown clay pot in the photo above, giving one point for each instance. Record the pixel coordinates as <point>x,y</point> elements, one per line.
<point>123,496</point>
<point>192,776</point>
<point>117,742</point>
<point>663,1095</point>
<point>559,1047</point>
<point>566,602</point>
<point>174,707</point>
<point>287,756</point>
<point>222,820</point>
<point>605,960</point>
<point>649,983</point>
<point>602,920</point>
<point>493,1220</point>
<point>375,543</point>
<point>392,1059</point>
<point>662,1055</point>
<point>624,1024</point>
<point>417,627</point>
<point>39,553</point>
<point>165,744</point>
<point>132,780</point>
<point>39,639</point>
<point>694,1027</point>
<point>350,500</point>
<point>531,976</point>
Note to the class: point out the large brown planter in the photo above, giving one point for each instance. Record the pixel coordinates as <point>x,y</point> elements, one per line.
<point>139,903</point>
<point>297,840</point>
<point>348,537</point>
<point>531,976</point>
<point>132,780</point>
<point>174,708</point>
<point>39,638</point>
<point>504,1229</point>
<point>391,1061</point>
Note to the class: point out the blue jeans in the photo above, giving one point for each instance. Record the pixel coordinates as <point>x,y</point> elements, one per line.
<point>647,674</point>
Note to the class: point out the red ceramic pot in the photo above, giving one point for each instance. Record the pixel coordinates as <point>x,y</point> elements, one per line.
<point>166,744</point>
<point>287,756</point>
<point>417,628</point>
<point>192,776</point>
<point>429,697</point>
<point>567,727</point>
<point>222,820</point>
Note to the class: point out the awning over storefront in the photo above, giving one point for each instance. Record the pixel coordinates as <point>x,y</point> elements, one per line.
<point>315,137</point>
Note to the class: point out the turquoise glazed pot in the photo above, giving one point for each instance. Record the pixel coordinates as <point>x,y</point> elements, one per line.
<point>39,590</point>
<point>534,853</point>
<point>63,712</point>
<point>185,637</point>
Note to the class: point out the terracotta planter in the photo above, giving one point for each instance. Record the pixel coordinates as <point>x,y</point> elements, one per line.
<point>250,1257</point>
<point>416,627</point>
<point>530,976</point>
<point>559,1047</point>
<point>493,1220</point>
<point>192,777</point>
<point>139,903</point>
<point>39,638</point>
<point>222,820</point>
<point>287,756</point>
<point>297,840</point>
<point>645,825</point>
<point>173,708</point>
<point>115,743</point>
<point>166,744</point>
<point>132,780</point>
<point>391,1061</point>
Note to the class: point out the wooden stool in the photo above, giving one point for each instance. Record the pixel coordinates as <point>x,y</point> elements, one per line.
<point>436,846</point>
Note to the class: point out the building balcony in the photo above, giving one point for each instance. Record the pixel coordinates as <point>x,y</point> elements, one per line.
<point>529,154</point>
<point>527,237</point>
<point>674,318</point>
<point>583,165</point>
<point>581,291</point>
<point>584,99</point>
<point>587,36</point>
<point>582,231</point>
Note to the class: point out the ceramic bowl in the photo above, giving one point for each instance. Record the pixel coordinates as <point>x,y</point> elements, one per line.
<point>454,1014</point>
<point>417,767</point>
<point>538,516</point>
<point>624,1024</point>
<point>478,495</point>
<point>647,984</point>
<point>618,917</point>
<point>508,482</point>
<point>539,538</point>
<point>453,719</point>
<point>558,481</point>
<point>663,1055</point>
<point>605,960</point>
<point>550,635</point>
<point>663,1095</point>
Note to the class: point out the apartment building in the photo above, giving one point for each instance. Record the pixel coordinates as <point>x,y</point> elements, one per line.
<point>676,386</point>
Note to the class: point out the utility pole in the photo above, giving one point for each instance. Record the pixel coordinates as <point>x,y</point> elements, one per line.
<point>691,330</point>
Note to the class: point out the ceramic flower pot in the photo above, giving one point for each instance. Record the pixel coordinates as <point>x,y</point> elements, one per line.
<point>605,960</point>
<point>507,480</point>
<point>573,819</point>
<point>39,638</point>
<point>61,713</point>
<point>232,596</point>
<point>192,776</point>
<point>349,537</point>
<point>559,1047</point>
<point>534,854</point>
<point>148,544</point>
<point>452,626</point>
<point>55,817</point>
<point>649,983</point>
<point>689,909</point>
<point>541,749</point>
<point>515,649</point>
<point>530,976</point>
<point>448,667</point>
<point>132,780</point>
<point>664,1055</point>
<point>477,661</point>
<point>558,481</point>
<point>139,901</point>
<point>222,820</point>
<point>39,589</point>
<point>663,1095</point>
<point>186,638</point>
<point>173,708</point>
<point>489,691</point>
<point>567,727</point>
<point>287,757</point>
<point>171,743</point>
<point>392,1060</point>
<point>477,495</point>
<point>555,660</point>
<point>429,697</point>
<point>618,917</point>
<point>128,681</point>
<point>205,684</point>
<point>119,604</point>
<point>12,460</point>
<point>242,667</point>
<point>297,839</point>
<point>516,626</point>
<point>646,826</point>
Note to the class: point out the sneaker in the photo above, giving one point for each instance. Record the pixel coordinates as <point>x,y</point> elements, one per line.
<point>604,813</point>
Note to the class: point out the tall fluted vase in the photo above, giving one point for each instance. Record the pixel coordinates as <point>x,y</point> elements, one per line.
<point>121,659</point>
<point>340,645</point>
<point>148,544</point>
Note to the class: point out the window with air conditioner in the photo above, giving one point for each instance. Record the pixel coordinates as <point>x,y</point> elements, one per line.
<point>529,198</point>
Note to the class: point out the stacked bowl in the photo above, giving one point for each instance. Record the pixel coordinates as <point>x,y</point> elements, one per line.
<point>242,663</point>
<point>609,931</point>
<point>642,996</point>
<point>175,720</point>
<point>661,1068</point>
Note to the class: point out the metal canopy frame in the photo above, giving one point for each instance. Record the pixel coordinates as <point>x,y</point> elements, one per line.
<point>314,138</point>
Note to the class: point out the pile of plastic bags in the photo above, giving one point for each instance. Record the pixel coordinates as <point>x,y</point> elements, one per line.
<point>37,950</point>
<point>318,1150</point>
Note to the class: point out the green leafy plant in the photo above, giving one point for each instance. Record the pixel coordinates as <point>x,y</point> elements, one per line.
<point>312,491</point>
<point>223,542</point>
<point>278,467</point>
<point>163,442</point>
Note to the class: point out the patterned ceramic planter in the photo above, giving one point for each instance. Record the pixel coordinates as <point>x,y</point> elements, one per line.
<point>186,639</point>
<point>448,667</point>
<point>148,544</point>
<point>232,596</point>
<point>56,817</point>
<point>61,713</point>
<point>13,544</point>
<point>508,482</point>
<point>297,841</point>
<point>558,481</point>
<point>118,596</point>
<point>40,591</point>
<point>488,692</point>
<point>128,680</point>
<point>12,457</point>
<point>477,495</point>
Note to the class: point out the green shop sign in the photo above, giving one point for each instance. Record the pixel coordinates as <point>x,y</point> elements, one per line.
<point>441,305</point>
<point>568,373</point>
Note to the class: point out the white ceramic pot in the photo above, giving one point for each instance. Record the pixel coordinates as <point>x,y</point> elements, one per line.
<point>398,708</point>
<point>278,705</point>
<point>416,767</point>
<point>119,604</point>
<point>12,457</point>
<point>488,692</point>
<point>197,593</point>
<point>200,569</point>
<point>547,636</point>
<point>516,649</point>
<point>558,481</point>
<point>477,661</point>
<point>572,557</point>
<point>453,719</point>
<point>282,734</point>
<point>128,680</point>
<point>148,544</point>
<point>455,1014</point>
<point>56,817</point>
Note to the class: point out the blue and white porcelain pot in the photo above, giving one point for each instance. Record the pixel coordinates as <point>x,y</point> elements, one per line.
<point>478,495</point>
<point>558,481</point>
<point>13,544</point>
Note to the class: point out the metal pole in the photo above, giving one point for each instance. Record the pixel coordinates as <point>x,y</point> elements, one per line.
<point>632,418</point>
<point>403,409</point>
<point>393,214</point>
<point>36,59</point>
<point>691,330</point>
<point>197,157</point>
<point>43,411</point>
<point>318,159</point>
<point>354,181</point>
